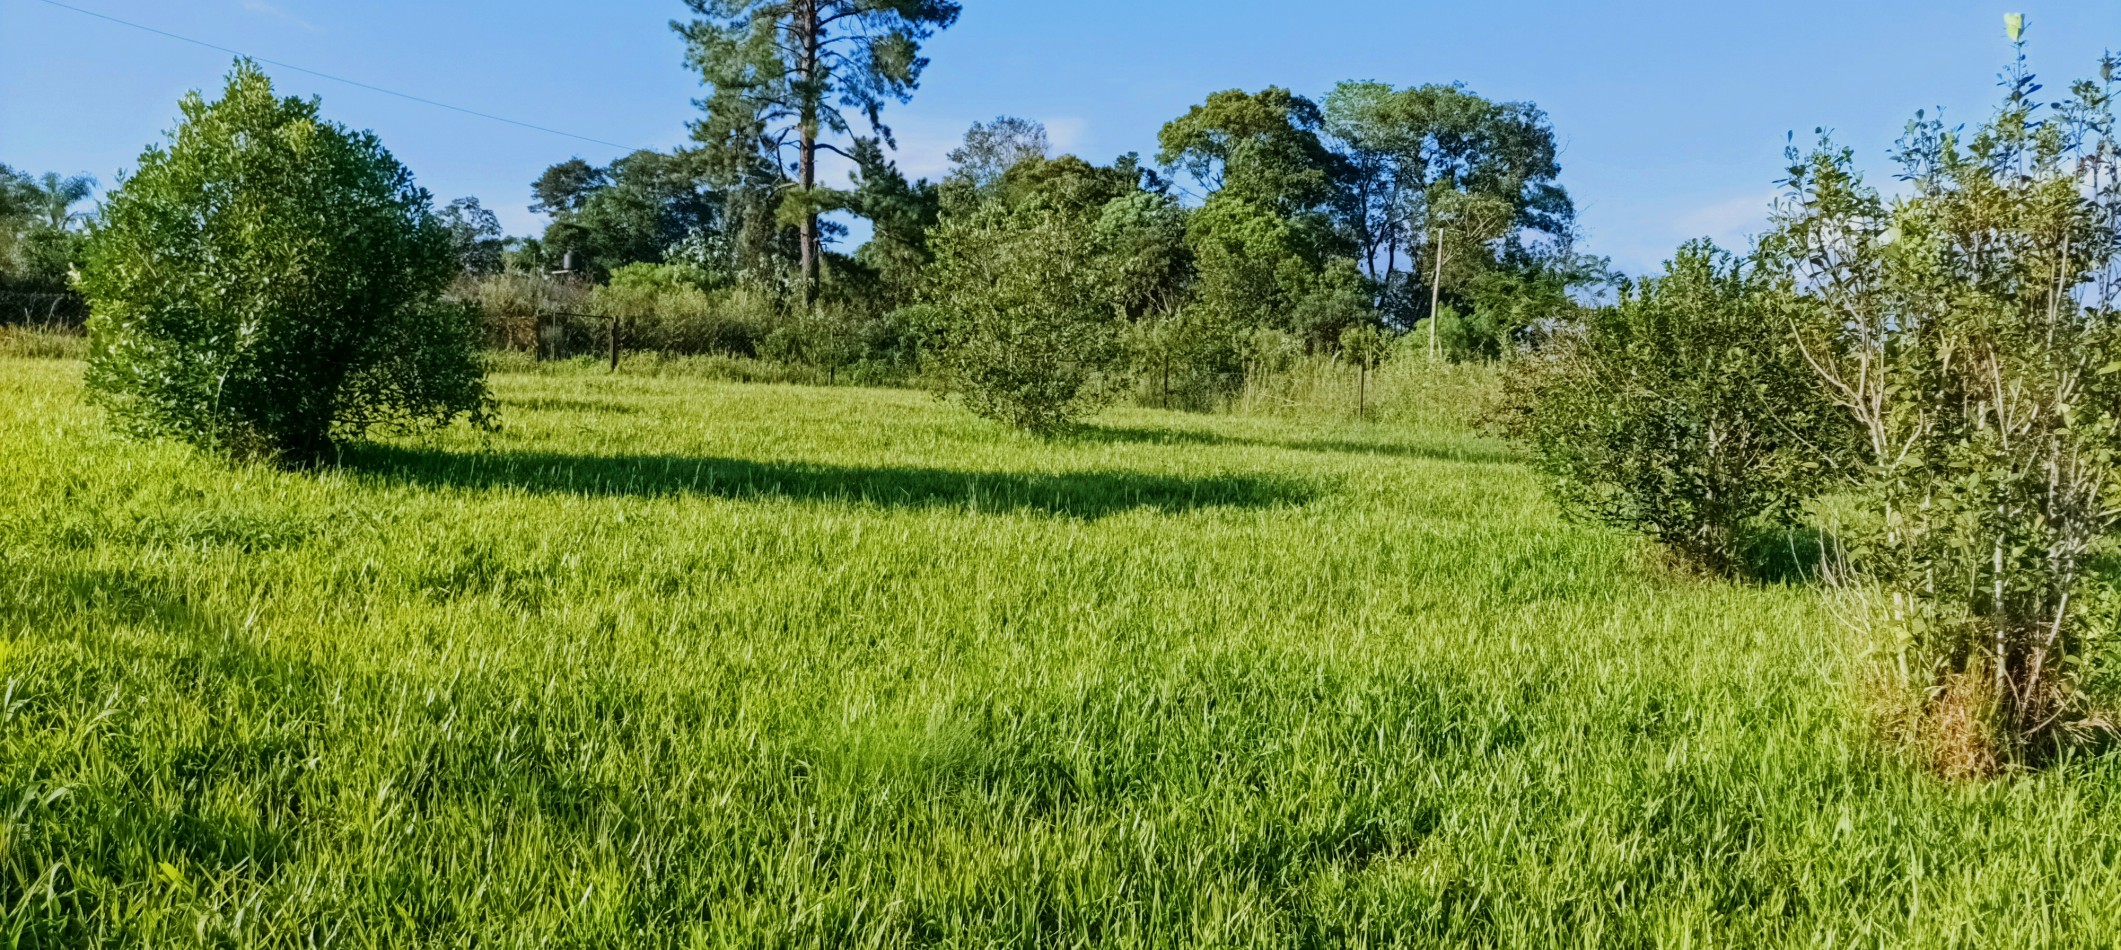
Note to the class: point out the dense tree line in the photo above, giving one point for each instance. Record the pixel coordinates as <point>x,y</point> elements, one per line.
<point>1267,223</point>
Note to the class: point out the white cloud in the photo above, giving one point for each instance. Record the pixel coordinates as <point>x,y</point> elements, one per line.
<point>1067,133</point>
<point>924,146</point>
<point>1731,222</point>
<point>266,9</point>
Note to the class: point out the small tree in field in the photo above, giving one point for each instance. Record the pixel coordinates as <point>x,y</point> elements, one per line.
<point>1028,331</point>
<point>1684,411</point>
<point>268,282</point>
<point>1972,332</point>
<point>1366,347</point>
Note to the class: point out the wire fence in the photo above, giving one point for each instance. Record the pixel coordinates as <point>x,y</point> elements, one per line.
<point>43,310</point>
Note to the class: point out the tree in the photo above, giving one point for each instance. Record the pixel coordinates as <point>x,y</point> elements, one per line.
<point>1261,270</point>
<point>476,234</point>
<point>15,194</point>
<point>16,202</point>
<point>1413,157</point>
<point>1461,227</point>
<point>269,282</point>
<point>633,212</point>
<point>1142,234</point>
<point>992,148</point>
<point>1971,332</point>
<point>784,74</point>
<point>1513,299</point>
<point>56,195</point>
<point>901,213</point>
<point>40,233</point>
<point>564,187</point>
<point>1264,241</point>
<point>1259,147</point>
<point>1027,333</point>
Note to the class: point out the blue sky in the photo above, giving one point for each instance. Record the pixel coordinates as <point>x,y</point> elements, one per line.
<point>1674,114</point>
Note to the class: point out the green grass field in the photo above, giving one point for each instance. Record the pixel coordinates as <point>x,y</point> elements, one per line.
<point>676,663</point>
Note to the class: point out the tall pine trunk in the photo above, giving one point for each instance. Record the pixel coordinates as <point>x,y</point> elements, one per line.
<point>809,35</point>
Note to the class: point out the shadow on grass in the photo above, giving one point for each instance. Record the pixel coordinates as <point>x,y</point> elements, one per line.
<point>590,406</point>
<point>1074,494</point>
<point>1793,556</point>
<point>1469,454</point>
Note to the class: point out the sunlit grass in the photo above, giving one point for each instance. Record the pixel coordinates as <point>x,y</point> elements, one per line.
<point>669,662</point>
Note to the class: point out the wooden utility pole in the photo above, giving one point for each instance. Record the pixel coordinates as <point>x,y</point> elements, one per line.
<point>1435,294</point>
<point>1362,390</point>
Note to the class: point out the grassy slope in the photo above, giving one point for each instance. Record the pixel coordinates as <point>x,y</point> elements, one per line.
<point>672,663</point>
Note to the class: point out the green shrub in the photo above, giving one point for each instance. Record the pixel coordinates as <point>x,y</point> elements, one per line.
<point>827,337</point>
<point>672,308</point>
<point>1970,329</point>
<point>1026,332</point>
<point>270,282</point>
<point>1185,358</point>
<point>1684,411</point>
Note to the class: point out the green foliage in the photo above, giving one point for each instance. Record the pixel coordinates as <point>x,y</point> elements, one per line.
<point>476,234</point>
<point>1266,249</point>
<point>1406,152</point>
<point>40,232</point>
<point>1026,332</point>
<point>900,213</point>
<point>1971,331</point>
<point>634,212</point>
<point>992,148</point>
<point>15,194</point>
<point>1184,358</point>
<point>1262,148</point>
<point>269,282</point>
<point>786,74</point>
<point>1513,300</point>
<point>826,338</point>
<point>1143,235</point>
<point>678,309</point>
<point>1365,346</point>
<point>1261,270</point>
<point>1685,411</point>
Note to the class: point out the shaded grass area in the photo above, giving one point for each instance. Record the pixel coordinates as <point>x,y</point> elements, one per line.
<point>1396,445</point>
<point>1087,494</point>
<point>670,663</point>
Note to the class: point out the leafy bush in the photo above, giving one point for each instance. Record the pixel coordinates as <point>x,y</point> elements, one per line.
<point>1185,358</point>
<point>1026,332</point>
<point>1971,331</point>
<point>1685,411</point>
<point>269,282</point>
<point>826,337</point>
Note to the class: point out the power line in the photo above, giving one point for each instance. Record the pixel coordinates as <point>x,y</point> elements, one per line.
<point>338,79</point>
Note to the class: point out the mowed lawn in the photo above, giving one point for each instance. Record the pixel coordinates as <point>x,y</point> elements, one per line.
<point>676,663</point>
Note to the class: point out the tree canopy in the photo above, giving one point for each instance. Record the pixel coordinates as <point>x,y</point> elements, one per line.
<point>806,76</point>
